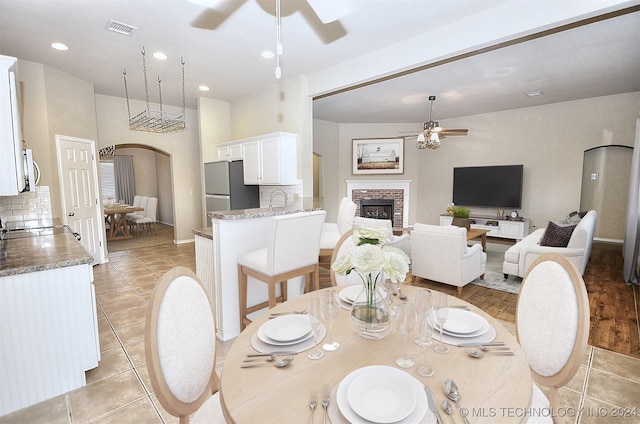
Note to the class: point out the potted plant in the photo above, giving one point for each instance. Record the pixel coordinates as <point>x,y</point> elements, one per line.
<point>461,217</point>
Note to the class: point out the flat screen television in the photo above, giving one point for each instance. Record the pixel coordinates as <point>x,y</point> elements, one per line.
<point>488,186</point>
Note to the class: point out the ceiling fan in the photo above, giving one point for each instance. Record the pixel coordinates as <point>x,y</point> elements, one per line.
<point>432,132</point>
<point>321,15</point>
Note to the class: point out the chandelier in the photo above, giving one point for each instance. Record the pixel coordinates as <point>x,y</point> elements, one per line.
<point>155,121</point>
<point>107,152</point>
<point>429,139</point>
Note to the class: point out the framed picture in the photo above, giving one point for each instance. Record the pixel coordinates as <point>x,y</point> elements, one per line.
<point>378,155</point>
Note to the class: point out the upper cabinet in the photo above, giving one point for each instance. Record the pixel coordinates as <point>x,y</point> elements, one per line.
<point>12,174</point>
<point>270,159</point>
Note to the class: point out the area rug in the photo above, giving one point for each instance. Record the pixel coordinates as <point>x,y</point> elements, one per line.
<point>493,276</point>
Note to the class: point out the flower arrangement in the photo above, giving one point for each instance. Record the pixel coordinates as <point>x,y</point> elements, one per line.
<point>371,259</point>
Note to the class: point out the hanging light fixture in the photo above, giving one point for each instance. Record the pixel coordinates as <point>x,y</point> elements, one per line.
<point>278,40</point>
<point>155,121</point>
<point>429,139</point>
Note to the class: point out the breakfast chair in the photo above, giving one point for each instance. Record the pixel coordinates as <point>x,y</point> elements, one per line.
<point>292,250</point>
<point>552,326</point>
<point>180,349</point>
<point>332,231</point>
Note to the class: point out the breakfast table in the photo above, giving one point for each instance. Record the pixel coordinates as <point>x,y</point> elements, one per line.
<point>493,389</point>
<point>116,217</point>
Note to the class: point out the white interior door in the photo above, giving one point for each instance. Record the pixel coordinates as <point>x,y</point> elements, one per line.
<point>78,173</point>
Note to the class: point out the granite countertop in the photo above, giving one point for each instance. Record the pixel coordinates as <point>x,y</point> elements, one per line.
<point>305,204</point>
<point>206,232</point>
<point>57,250</point>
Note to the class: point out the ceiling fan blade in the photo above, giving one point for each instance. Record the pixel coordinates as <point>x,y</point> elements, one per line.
<point>327,32</point>
<point>211,19</point>
<point>329,10</point>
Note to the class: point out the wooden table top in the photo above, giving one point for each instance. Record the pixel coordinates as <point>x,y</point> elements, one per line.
<point>121,209</point>
<point>476,232</point>
<point>495,386</point>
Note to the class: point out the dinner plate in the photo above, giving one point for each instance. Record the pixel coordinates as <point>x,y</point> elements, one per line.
<point>416,416</point>
<point>460,321</point>
<point>482,330</point>
<point>264,338</point>
<point>287,328</point>
<point>297,347</point>
<point>382,395</point>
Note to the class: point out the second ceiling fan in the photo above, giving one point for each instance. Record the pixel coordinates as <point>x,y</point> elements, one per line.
<point>432,132</point>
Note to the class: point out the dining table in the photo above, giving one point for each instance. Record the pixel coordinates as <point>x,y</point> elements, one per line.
<point>493,389</point>
<point>116,217</point>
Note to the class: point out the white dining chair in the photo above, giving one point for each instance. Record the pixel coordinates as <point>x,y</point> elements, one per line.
<point>180,349</point>
<point>149,218</point>
<point>292,250</point>
<point>344,246</point>
<point>552,326</point>
<point>131,217</point>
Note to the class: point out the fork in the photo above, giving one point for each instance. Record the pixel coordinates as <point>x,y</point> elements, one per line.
<point>326,397</point>
<point>312,404</point>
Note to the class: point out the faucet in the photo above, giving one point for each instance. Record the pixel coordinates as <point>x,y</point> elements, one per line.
<point>273,193</point>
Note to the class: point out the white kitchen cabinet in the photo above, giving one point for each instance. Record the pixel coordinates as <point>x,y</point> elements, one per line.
<point>12,175</point>
<point>270,159</point>
<point>230,152</point>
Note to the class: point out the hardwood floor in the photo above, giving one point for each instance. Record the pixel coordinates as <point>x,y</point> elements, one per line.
<point>614,304</point>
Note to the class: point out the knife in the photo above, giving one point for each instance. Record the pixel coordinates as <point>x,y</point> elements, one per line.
<point>272,353</point>
<point>480,344</point>
<point>432,404</point>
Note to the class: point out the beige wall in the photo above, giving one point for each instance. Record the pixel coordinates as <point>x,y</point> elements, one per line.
<point>182,147</point>
<point>549,140</point>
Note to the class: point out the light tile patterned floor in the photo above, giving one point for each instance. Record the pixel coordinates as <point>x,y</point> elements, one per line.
<point>118,390</point>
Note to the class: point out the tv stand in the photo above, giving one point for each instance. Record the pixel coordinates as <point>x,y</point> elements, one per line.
<point>501,228</point>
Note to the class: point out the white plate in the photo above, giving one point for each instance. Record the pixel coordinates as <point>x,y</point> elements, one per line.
<point>382,396</point>
<point>263,337</point>
<point>350,293</point>
<point>297,347</point>
<point>460,321</point>
<point>416,416</point>
<point>484,327</point>
<point>287,328</point>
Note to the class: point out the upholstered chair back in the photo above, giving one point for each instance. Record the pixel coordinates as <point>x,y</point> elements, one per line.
<point>552,320</point>
<point>345,245</point>
<point>346,213</point>
<point>294,241</point>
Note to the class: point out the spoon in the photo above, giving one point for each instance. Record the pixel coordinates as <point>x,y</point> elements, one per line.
<point>446,407</point>
<point>479,354</point>
<point>452,392</point>
<point>280,364</point>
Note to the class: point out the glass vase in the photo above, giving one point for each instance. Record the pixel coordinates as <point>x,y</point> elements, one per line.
<point>370,314</point>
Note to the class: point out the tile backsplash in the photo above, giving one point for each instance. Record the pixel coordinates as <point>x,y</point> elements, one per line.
<point>26,206</point>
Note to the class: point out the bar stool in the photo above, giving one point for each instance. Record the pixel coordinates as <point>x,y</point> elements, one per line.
<point>292,250</point>
<point>332,231</point>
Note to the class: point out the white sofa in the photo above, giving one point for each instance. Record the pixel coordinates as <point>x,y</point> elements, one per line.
<point>440,253</point>
<point>519,257</point>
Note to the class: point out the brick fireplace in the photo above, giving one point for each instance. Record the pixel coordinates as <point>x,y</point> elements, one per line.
<point>381,198</point>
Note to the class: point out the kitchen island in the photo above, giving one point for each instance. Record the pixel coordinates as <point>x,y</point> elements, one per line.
<point>48,320</point>
<point>232,234</point>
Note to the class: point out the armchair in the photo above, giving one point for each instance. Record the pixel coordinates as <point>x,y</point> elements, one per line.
<point>441,254</point>
<point>402,242</point>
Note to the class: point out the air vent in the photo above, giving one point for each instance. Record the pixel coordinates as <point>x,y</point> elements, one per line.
<point>120,28</point>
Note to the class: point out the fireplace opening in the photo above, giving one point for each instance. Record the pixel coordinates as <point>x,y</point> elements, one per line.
<point>377,209</point>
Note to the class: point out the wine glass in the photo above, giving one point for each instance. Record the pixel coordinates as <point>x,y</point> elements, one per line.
<point>315,313</point>
<point>330,310</point>
<point>388,287</point>
<point>441,310</point>
<point>405,320</point>
<point>424,302</point>
<point>426,332</point>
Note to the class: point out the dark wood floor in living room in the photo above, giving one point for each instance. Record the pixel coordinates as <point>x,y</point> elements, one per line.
<point>614,304</point>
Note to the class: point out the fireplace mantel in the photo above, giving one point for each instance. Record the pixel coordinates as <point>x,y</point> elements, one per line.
<point>383,185</point>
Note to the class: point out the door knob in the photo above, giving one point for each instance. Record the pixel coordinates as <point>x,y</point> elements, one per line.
<point>70,214</point>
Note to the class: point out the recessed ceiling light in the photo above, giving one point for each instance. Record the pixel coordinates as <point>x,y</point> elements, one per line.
<point>534,93</point>
<point>203,88</point>
<point>160,56</point>
<point>267,54</point>
<point>60,46</point>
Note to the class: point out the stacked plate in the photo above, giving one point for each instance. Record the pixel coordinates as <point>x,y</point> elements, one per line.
<point>349,294</point>
<point>291,333</point>
<point>462,327</point>
<point>381,394</point>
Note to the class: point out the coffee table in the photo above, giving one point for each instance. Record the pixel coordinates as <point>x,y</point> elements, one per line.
<point>473,233</point>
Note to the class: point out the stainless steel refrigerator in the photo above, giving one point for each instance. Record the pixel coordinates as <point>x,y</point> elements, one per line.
<point>225,189</point>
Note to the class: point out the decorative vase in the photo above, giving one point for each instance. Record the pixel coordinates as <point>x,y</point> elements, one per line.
<point>370,315</point>
<point>462,222</point>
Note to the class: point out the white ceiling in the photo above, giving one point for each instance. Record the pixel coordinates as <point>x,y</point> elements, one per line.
<point>598,59</point>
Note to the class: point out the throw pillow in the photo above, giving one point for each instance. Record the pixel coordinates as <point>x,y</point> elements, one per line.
<point>557,235</point>
<point>572,218</point>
